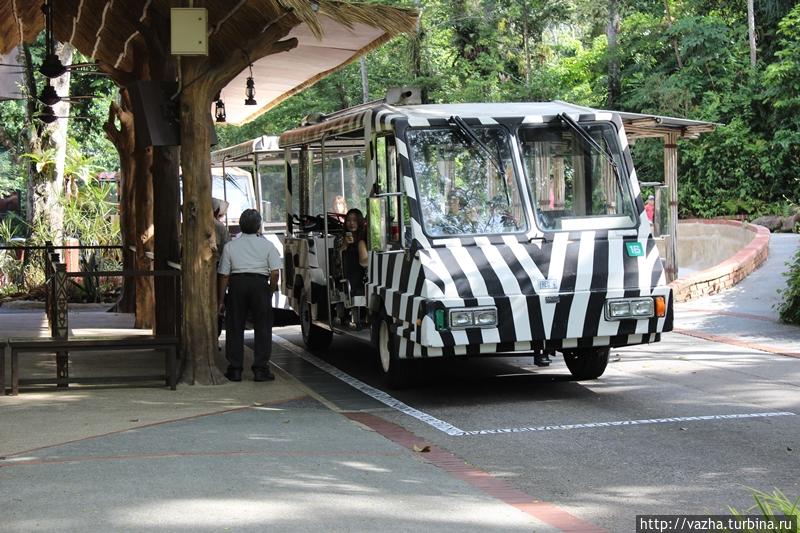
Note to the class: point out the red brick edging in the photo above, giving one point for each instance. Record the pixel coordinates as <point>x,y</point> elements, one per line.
<point>458,468</point>
<point>729,272</point>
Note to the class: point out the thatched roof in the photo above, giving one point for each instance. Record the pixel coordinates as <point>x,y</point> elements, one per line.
<point>108,31</point>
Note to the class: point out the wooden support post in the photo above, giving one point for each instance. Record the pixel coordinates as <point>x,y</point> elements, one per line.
<point>671,181</point>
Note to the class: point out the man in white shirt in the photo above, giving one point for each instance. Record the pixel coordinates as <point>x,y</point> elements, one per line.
<point>249,269</point>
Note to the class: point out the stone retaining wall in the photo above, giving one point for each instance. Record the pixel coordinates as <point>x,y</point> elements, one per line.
<point>729,272</point>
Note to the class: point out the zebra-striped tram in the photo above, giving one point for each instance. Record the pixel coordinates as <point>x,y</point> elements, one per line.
<point>492,229</point>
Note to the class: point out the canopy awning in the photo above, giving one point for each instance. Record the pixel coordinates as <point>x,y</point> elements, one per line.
<point>638,125</point>
<point>328,37</point>
<point>279,76</point>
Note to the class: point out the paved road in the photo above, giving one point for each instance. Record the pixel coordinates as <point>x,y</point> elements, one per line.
<point>699,421</point>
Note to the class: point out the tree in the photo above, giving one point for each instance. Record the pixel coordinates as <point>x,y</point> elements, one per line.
<point>613,62</point>
<point>751,31</point>
<point>48,145</point>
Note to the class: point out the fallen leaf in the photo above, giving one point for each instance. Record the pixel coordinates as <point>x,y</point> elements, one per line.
<point>422,449</point>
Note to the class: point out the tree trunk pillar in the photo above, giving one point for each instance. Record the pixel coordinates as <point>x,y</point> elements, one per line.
<point>143,200</point>
<point>199,332</point>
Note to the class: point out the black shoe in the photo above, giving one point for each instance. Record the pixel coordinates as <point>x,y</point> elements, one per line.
<point>541,360</point>
<point>263,375</point>
<point>233,374</point>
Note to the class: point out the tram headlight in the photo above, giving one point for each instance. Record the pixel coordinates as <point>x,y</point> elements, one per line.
<point>460,319</point>
<point>635,308</point>
<point>642,307</point>
<point>486,317</point>
<point>469,317</point>
<point>618,309</point>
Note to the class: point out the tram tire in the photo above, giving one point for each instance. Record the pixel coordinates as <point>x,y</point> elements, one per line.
<point>396,372</point>
<point>315,337</point>
<point>587,363</point>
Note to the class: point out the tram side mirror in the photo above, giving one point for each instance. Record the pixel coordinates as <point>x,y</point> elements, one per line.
<point>376,235</point>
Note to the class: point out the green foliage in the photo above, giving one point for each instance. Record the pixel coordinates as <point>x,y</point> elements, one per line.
<point>11,178</point>
<point>771,506</point>
<point>89,216</point>
<point>89,130</point>
<point>789,308</point>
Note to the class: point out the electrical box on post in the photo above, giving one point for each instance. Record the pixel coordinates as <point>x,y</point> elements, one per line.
<point>189,31</point>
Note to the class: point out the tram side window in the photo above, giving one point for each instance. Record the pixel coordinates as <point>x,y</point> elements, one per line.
<point>575,186</point>
<point>273,190</point>
<point>345,176</point>
<point>388,182</point>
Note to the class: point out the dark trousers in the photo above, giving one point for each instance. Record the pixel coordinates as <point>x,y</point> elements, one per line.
<point>248,293</point>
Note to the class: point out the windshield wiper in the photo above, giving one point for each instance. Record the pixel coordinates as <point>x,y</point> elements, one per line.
<point>236,185</point>
<point>472,136</point>
<point>496,162</point>
<point>589,139</point>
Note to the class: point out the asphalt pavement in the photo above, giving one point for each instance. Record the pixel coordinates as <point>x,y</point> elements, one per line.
<point>311,452</point>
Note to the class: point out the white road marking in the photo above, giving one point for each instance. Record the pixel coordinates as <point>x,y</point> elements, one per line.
<point>451,430</point>
<point>591,425</point>
<point>372,392</point>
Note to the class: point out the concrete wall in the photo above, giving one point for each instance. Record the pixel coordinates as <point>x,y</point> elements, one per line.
<point>703,245</point>
<point>714,255</point>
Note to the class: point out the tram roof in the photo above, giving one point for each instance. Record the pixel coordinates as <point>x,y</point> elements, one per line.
<point>265,143</point>
<point>381,115</point>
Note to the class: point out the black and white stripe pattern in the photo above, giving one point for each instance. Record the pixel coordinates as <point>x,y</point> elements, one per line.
<point>582,268</point>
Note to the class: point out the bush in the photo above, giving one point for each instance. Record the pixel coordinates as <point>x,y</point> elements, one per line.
<point>789,309</point>
<point>772,506</point>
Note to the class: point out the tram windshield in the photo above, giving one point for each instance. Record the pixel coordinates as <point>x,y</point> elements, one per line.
<point>576,184</point>
<point>466,180</point>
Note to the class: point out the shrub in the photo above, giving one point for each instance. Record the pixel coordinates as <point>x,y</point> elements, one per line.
<point>789,308</point>
<point>772,506</point>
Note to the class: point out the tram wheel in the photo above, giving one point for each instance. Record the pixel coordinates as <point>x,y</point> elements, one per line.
<point>315,337</point>
<point>395,371</point>
<point>587,363</point>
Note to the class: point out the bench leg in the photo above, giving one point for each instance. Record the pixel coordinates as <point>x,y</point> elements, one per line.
<point>14,372</point>
<point>62,369</point>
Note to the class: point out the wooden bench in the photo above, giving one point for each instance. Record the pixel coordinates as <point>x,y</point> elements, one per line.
<point>166,343</point>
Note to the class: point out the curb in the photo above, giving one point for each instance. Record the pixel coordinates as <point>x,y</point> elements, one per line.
<point>729,272</point>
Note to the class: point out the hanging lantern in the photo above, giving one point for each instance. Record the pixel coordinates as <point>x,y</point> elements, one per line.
<point>219,110</point>
<point>250,90</point>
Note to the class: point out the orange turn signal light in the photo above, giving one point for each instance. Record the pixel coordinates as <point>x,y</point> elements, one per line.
<point>660,305</point>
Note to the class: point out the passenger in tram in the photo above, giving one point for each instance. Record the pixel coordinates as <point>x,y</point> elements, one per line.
<point>339,205</point>
<point>355,258</point>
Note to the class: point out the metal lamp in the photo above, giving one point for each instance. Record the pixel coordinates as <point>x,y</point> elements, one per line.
<point>250,91</point>
<point>219,110</point>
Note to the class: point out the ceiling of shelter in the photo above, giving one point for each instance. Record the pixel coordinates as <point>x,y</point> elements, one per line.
<point>109,32</point>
